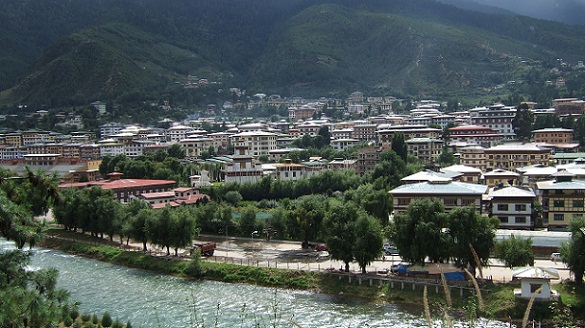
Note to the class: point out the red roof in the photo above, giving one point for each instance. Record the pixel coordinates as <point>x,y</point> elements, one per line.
<point>118,184</point>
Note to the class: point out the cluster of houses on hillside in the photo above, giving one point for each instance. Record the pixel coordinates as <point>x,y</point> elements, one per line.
<point>493,167</point>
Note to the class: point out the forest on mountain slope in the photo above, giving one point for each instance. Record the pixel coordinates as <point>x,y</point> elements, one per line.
<point>59,53</point>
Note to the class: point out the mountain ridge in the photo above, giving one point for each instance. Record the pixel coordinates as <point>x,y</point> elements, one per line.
<point>308,47</point>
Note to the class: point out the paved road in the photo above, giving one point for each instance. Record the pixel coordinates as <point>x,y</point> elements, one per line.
<point>285,254</point>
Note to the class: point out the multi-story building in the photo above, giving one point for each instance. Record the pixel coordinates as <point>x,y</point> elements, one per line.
<point>309,128</point>
<point>243,167</point>
<point>289,170</point>
<point>475,135</point>
<point>89,151</point>
<point>257,143</point>
<point>111,147</point>
<point>195,147</point>
<point>343,144</point>
<point>386,133</point>
<point>339,164</point>
<point>498,117</point>
<point>501,177</point>
<point>512,206</point>
<point>468,174</point>
<point>427,150</point>
<point>301,113</point>
<point>451,193</point>
<point>568,106</point>
<point>553,136</point>
<point>562,199</point>
<point>110,128</point>
<point>368,157</point>
<point>473,156</point>
<point>511,156</point>
<point>36,136</point>
<point>364,132</point>
<point>13,139</point>
<point>178,132</point>
<point>135,148</point>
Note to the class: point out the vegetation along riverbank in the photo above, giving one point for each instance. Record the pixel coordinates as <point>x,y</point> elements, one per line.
<point>495,301</point>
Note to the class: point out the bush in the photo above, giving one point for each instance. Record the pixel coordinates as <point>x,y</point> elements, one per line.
<point>94,319</point>
<point>233,197</point>
<point>68,322</point>
<point>106,320</point>
<point>74,313</point>
<point>85,317</point>
<point>128,324</point>
<point>77,324</point>
<point>117,324</point>
<point>194,267</point>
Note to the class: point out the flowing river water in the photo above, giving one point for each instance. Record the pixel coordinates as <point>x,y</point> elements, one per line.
<point>152,300</point>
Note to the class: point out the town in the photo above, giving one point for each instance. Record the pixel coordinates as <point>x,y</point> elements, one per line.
<point>517,181</point>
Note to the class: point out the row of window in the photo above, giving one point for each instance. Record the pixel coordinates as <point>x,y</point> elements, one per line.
<point>516,207</point>
<point>561,217</point>
<point>576,203</point>
<point>512,219</point>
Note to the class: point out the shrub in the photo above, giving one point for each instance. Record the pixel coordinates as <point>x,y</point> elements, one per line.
<point>106,320</point>
<point>194,267</point>
<point>85,317</point>
<point>117,324</point>
<point>94,319</point>
<point>77,324</point>
<point>74,313</point>
<point>68,322</point>
<point>128,324</point>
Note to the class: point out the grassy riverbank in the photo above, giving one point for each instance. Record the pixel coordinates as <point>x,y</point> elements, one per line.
<point>498,298</point>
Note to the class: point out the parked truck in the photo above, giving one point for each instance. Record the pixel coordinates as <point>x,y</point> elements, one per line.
<point>205,249</point>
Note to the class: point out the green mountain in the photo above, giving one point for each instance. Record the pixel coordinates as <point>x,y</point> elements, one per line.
<point>69,52</point>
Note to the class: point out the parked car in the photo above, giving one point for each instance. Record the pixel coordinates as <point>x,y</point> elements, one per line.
<point>555,257</point>
<point>390,250</point>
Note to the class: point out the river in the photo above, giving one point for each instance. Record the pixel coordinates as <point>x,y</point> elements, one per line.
<point>153,300</point>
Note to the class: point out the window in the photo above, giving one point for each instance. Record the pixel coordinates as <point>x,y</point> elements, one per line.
<point>559,217</point>
<point>503,219</point>
<point>578,216</point>
<point>403,201</point>
<point>578,203</point>
<point>520,207</point>
<point>559,203</point>
<point>502,207</point>
<point>450,201</point>
<point>520,219</point>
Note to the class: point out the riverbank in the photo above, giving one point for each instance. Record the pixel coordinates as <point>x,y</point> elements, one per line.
<point>498,298</point>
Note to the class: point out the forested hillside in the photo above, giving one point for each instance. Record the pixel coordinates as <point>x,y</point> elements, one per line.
<point>70,52</point>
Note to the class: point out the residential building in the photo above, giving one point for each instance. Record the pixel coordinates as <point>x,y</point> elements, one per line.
<point>343,144</point>
<point>427,150</point>
<point>511,156</point>
<point>500,176</point>
<point>513,206</point>
<point>451,193</point>
<point>338,164</point>
<point>386,133</point>
<point>430,175</point>
<point>111,147</point>
<point>194,147</point>
<point>110,128</point>
<point>562,199</point>
<point>364,132</point>
<point>258,143</point>
<point>568,106</point>
<point>173,198</point>
<point>289,170</point>
<point>368,157</point>
<point>468,174</point>
<point>475,135</point>
<point>553,136</point>
<point>473,156</point>
<point>497,117</point>
<point>178,132</point>
<point>243,167</point>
